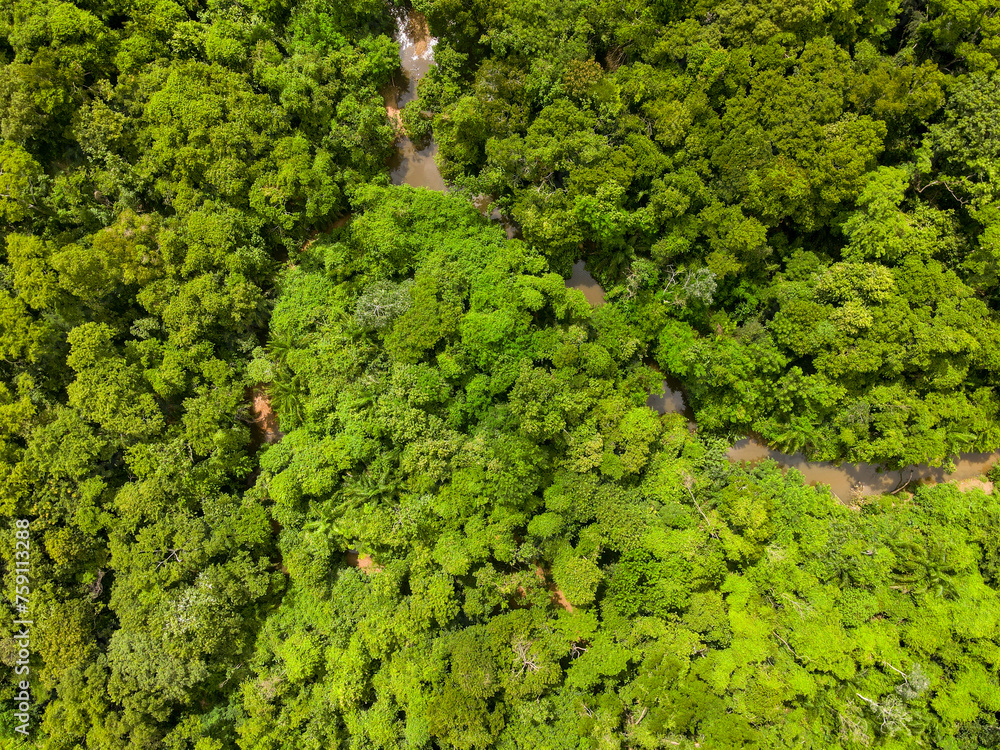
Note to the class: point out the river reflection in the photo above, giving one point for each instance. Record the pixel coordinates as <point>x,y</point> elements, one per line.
<point>670,400</point>
<point>484,204</point>
<point>417,167</point>
<point>846,481</point>
<point>410,165</point>
<point>860,480</point>
<point>413,166</point>
<point>582,280</point>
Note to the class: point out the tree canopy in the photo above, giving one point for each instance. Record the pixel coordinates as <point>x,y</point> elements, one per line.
<point>471,531</point>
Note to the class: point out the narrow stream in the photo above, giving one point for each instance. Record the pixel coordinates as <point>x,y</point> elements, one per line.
<point>484,204</point>
<point>416,167</point>
<point>850,480</point>
<point>582,280</point>
<point>410,165</point>
<point>846,480</point>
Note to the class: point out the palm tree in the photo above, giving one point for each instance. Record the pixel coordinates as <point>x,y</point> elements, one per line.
<point>354,493</point>
<point>279,347</point>
<point>612,264</point>
<point>371,486</point>
<point>795,435</point>
<point>962,441</point>
<point>924,569</point>
<point>286,393</point>
<point>327,523</point>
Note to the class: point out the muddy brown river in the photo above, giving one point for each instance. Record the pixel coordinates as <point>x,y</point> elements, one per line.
<point>416,167</point>
<point>582,280</point>
<point>845,480</point>
<point>410,165</point>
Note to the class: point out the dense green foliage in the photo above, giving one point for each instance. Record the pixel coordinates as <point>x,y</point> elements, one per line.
<point>484,437</point>
<point>158,162</point>
<point>793,209</point>
<point>832,165</point>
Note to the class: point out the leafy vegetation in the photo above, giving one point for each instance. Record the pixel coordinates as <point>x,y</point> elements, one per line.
<point>831,167</point>
<point>473,532</point>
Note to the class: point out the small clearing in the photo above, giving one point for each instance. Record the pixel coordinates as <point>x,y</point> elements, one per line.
<point>975,484</point>
<point>364,563</point>
<point>264,428</point>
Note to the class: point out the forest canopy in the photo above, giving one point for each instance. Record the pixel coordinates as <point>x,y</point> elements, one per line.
<point>308,459</point>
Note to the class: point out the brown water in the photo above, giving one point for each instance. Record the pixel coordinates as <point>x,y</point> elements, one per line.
<point>483,204</point>
<point>410,165</point>
<point>670,400</point>
<point>860,480</point>
<point>582,280</point>
<point>846,481</point>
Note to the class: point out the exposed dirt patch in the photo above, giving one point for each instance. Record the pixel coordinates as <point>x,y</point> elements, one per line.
<point>975,484</point>
<point>558,598</point>
<point>555,595</point>
<point>264,428</point>
<point>364,563</point>
<point>395,117</point>
<point>315,236</point>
